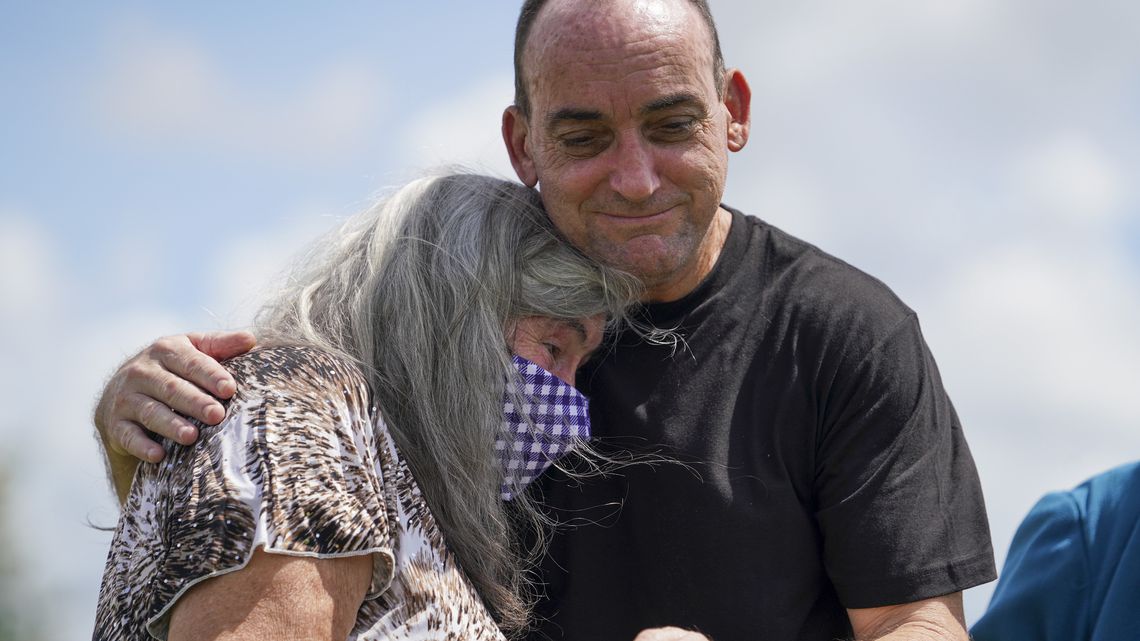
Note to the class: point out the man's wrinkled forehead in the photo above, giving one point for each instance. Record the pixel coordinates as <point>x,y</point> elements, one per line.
<point>606,23</point>
<point>597,29</point>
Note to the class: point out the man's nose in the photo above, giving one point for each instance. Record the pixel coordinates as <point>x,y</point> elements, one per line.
<point>634,175</point>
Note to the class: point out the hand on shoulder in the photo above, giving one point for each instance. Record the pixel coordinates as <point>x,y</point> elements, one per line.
<point>153,391</point>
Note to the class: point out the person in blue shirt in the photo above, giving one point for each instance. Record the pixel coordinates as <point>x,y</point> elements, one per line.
<point>1073,569</point>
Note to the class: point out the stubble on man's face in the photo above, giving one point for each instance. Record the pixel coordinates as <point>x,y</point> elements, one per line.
<point>627,133</point>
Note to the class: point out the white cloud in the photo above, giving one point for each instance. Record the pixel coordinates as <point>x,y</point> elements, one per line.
<point>793,48</point>
<point>30,282</point>
<point>246,268</point>
<point>463,129</point>
<point>1050,329</point>
<point>141,263</point>
<point>1071,180</point>
<point>785,196</point>
<point>33,292</point>
<point>163,88</point>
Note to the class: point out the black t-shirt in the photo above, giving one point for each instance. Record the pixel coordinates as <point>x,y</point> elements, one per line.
<point>822,464</point>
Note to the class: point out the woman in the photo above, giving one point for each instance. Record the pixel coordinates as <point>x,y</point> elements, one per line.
<point>355,487</point>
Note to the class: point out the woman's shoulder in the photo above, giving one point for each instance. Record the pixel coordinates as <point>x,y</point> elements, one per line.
<point>297,467</point>
<point>289,390</point>
<point>296,371</point>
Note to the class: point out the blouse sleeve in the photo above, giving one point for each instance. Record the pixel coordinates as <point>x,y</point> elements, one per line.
<point>295,468</point>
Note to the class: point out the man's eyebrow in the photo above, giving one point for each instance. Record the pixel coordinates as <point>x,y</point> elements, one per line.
<point>585,115</point>
<point>573,113</point>
<point>670,101</point>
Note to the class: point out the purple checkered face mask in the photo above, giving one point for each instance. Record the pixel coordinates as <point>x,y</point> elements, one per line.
<point>561,420</point>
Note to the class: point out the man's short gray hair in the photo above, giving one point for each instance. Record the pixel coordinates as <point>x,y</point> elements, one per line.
<point>420,291</point>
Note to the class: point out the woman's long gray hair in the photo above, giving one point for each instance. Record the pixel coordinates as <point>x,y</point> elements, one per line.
<point>420,291</point>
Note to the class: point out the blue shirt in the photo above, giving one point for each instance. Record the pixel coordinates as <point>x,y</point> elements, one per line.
<point>1073,569</point>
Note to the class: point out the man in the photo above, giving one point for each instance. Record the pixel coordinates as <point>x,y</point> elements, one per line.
<point>827,488</point>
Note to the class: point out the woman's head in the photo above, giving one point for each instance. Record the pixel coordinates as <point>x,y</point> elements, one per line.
<point>559,346</point>
<point>425,290</point>
<point>461,258</point>
<point>474,256</point>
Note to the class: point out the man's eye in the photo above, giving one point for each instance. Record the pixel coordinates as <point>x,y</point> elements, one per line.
<point>578,141</point>
<point>677,129</point>
<point>582,144</point>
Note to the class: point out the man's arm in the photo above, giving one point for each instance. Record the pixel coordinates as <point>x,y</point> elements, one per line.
<point>176,376</point>
<point>275,597</point>
<point>938,619</point>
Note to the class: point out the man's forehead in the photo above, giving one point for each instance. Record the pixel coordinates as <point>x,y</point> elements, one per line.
<point>647,60</point>
<point>585,29</point>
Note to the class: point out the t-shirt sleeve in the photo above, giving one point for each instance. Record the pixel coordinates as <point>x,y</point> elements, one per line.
<point>295,468</point>
<point>1044,587</point>
<point>898,498</point>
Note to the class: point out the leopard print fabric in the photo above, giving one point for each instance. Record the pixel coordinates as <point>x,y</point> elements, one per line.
<point>302,465</point>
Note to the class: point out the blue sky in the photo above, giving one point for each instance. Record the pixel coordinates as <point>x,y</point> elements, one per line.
<point>162,161</point>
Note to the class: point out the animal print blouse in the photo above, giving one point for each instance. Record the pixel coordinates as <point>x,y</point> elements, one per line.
<point>301,465</point>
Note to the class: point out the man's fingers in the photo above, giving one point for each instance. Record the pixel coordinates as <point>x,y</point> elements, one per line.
<point>181,357</point>
<point>220,346</point>
<point>182,396</point>
<point>161,419</point>
<point>143,380</point>
<point>129,438</point>
<point>158,388</point>
<point>223,345</point>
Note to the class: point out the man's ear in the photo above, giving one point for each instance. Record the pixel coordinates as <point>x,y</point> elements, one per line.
<point>515,135</point>
<point>738,100</point>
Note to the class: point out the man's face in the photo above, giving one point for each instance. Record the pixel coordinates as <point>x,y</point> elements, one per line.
<point>628,135</point>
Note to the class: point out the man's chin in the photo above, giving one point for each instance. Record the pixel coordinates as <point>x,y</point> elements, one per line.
<point>652,258</point>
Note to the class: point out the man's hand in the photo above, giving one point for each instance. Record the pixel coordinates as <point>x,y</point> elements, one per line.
<point>669,634</point>
<point>174,376</point>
